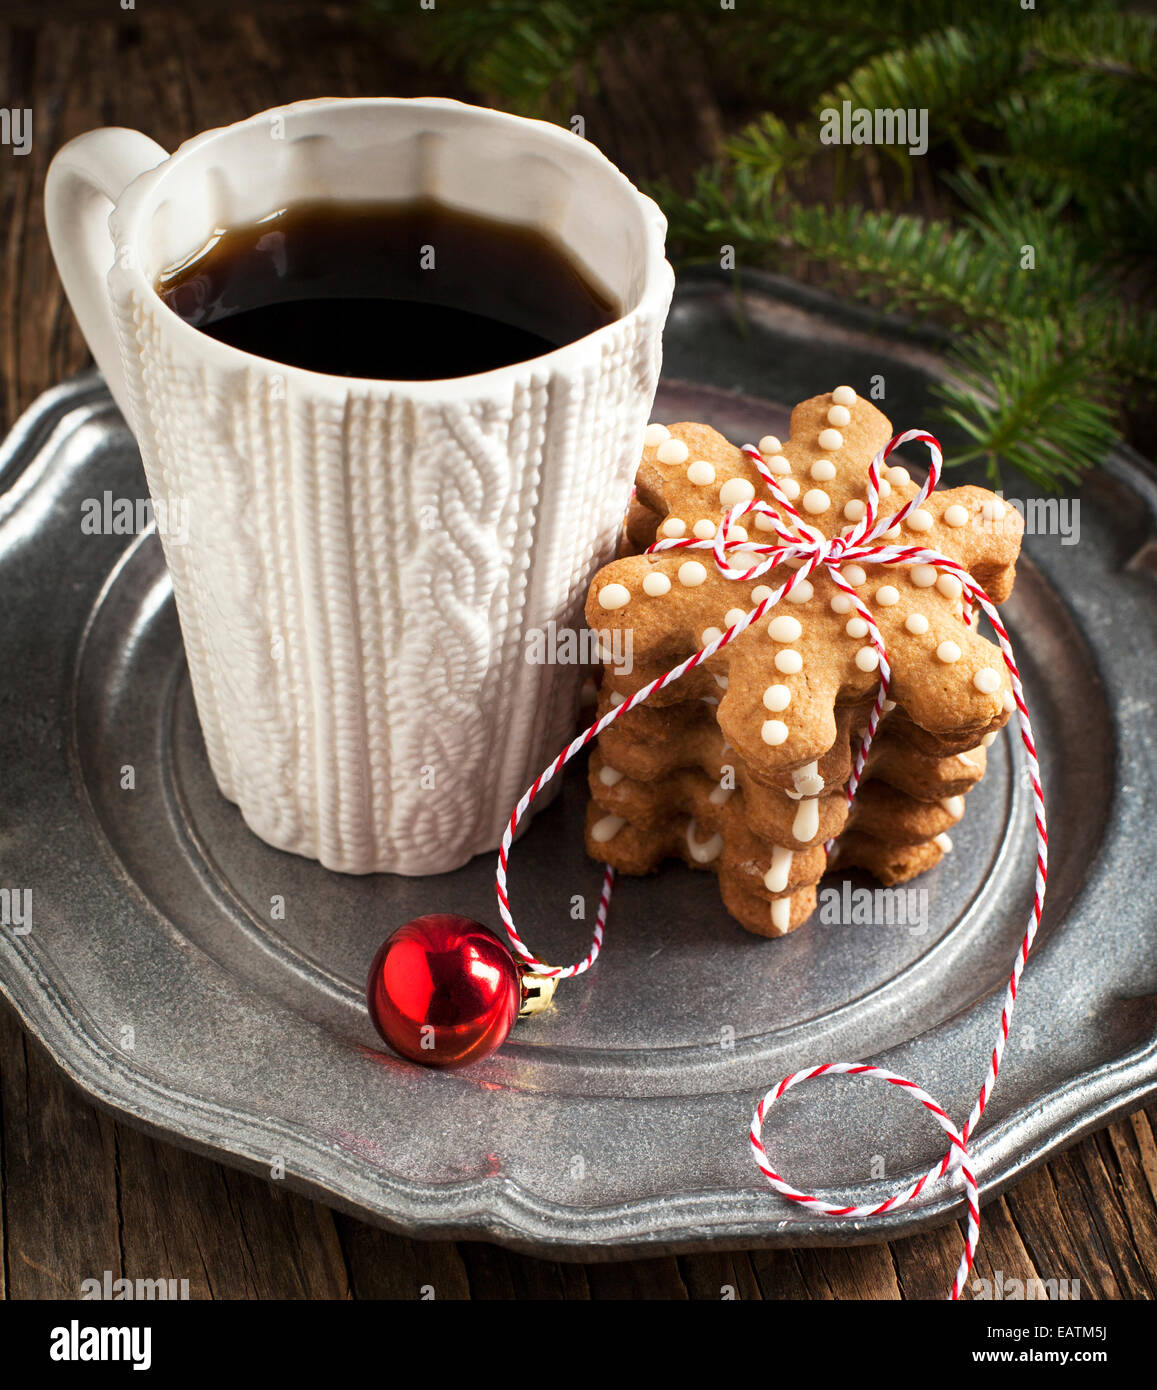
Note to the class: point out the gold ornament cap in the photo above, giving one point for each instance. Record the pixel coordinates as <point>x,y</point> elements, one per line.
<point>537,993</point>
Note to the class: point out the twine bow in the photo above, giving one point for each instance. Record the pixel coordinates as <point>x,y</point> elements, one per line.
<point>868,541</point>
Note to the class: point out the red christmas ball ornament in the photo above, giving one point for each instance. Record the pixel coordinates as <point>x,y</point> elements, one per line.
<point>443,991</point>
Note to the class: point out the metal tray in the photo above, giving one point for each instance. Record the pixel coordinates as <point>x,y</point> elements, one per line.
<point>616,1124</point>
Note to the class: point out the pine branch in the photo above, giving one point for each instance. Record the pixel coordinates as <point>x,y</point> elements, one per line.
<point>1105,41</point>
<point>971,272</point>
<point>1034,408</point>
<point>1126,229</point>
<point>541,56</point>
<point>1122,345</point>
<point>1064,132</point>
<point>916,264</point>
<point>527,53</point>
<point>956,74</point>
<point>770,150</point>
<point>728,206</point>
<point>1051,117</point>
<point>1064,276</point>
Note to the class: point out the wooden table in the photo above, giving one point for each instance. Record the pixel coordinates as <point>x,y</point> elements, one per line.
<point>82,1193</point>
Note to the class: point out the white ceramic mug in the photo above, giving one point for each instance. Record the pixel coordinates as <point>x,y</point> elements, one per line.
<point>366,561</point>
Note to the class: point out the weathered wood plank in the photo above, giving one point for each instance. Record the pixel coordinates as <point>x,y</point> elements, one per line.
<point>250,1239</point>
<point>61,1201</point>
<point>387,1266</point>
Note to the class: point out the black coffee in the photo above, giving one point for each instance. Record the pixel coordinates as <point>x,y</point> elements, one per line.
<point>411,291</point>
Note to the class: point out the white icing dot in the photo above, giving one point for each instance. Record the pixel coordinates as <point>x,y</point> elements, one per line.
<point>916,623</point>
<point>949,586</point>
<point>737,533</point>
<point>923,576</point>
<point>720,796</point>
<point>776,697</point>
<point>993,509</point>
<point>889,706</point>
<point>784,629</point>
<point>609,776</point>
<point>887,595</point>
<point>948,652</point>
<point>759,593</point>
<point>769,444</point>
<point>839,415</point>
<point>606,829</point>
<point>841,603</point>
<point>898,476</point>
<point>920,520</point>
<point>616,699</point>
<point>736,490</point>
<point>788,661</point>
<point>734,615</point>
<point>801,593</point>
<point>884,489</point>
<point>763,522</point>
<point>721,681</point>
<point>867,658</point>
<point>781,915</point>
<point>954,805</point>
<point>709,634</point>
<point>777,464</point>
<point>854,510</point>
<point>773,732</point>
<point>656,584</point>
<point>1009,702</point>
<point>691,573</point>
<point>704,529</point>
<point>956,515</point>
<point>988,740</point>
<point>843,395</point>
<point>673,528</point>
<point>701,473</point>
<point>891,534</point>
<point>856,627</point>
<point>830,439</point>
<point>672,451</point>
<point>816,501</point>
<point>855,575</point>
<point>790,488</point>
<point>654,435</point>
<point>943,842</point>
<point>823,470</point>
<point>986,680</point>
<point>614,596</point>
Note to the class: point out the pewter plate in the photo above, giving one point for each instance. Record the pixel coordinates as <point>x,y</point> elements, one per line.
<point>159,978</point>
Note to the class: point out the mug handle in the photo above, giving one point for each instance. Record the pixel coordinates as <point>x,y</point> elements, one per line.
<point>85,180</point>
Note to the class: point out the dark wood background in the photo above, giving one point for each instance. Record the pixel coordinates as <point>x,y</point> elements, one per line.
<point>81,1193</point>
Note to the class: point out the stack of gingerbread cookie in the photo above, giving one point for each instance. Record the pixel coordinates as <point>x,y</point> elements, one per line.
<point>741,766</point>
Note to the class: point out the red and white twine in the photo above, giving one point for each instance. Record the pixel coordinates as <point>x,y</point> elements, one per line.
<point>800,541</point>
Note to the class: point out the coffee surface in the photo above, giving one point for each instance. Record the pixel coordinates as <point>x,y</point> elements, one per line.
<point>410,292</point>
